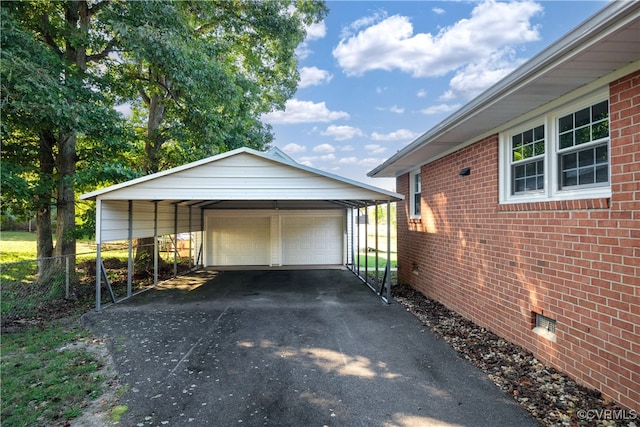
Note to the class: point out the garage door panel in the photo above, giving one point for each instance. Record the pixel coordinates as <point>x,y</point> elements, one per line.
<point>240,241</point>
<point>312,240</point>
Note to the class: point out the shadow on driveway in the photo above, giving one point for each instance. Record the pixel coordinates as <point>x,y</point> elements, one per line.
<point>289,348</point>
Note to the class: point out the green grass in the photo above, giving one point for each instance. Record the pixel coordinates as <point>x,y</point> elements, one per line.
<point>370,258</point>
<point>43,380</point>
<point>21,245</point>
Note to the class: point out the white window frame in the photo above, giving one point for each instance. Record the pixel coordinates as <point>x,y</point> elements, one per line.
<point>413,191</point>
<point>552,190</point>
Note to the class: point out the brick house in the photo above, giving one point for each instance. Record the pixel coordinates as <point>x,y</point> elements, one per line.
<point>522,209</point>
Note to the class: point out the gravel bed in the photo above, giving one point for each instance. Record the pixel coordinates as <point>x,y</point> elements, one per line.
<point>549,395</point>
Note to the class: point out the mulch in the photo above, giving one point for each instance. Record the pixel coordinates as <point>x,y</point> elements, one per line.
<point>550,396</point>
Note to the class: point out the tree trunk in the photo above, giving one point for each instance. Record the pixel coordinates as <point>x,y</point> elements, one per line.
<point>43,195</point>
<point>155,103</point>
<point>66,215</point>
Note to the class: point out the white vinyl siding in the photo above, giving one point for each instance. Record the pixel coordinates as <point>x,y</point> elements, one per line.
<point>115,219</point>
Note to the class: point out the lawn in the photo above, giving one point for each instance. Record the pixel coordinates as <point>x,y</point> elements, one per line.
<point>21,245</point>
<point>46,380</point>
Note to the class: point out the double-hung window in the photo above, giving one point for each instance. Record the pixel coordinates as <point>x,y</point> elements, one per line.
<point>583,147</point>
<point>560,155</point>
<point>416,194</point>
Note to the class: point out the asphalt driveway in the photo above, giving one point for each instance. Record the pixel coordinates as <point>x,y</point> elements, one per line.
<point>289,348</point>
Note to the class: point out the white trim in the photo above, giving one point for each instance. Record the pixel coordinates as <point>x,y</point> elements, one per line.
<point>552,190</point>
<point>413,191</point>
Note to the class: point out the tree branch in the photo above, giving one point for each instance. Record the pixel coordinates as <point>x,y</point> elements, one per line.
<point>47,36</point>
<point>110,47</point>
<point>96,7</point>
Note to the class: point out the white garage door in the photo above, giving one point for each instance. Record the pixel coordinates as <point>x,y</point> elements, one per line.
<point>312,240</point>
<point>239,241</point>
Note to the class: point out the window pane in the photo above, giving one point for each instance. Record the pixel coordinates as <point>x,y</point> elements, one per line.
<point>518,186</point>
<point>602,173</point>
<point>601,130</point>
<point>586,176</point>
<point>517,154</point>
<point>538,133</point>
<point>540,185</point>
<point>569,161</point>
<point>566,123</point>
<point>602,154</point>
<point>519,171</point>
<point>569,178</point>
<point>527,136</point>
<point>583,135</point>
<point>539,148</point>
<point>600,111</point>
<point>583,117</point>
<point>566,140</point>
<point>585,158</point>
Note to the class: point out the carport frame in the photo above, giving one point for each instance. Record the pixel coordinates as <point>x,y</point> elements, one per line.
<point>209,198</point>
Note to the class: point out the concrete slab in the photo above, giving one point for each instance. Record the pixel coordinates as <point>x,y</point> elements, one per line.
<point>289,348</point>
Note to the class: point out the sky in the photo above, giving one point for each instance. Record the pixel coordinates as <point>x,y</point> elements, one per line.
<point>375,75</point>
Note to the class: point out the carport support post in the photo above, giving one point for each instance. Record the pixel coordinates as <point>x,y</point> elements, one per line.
<point>190,237</point>
<point>376,248</point>
<point>130,253</point>
<point>366,243</point>
<point>388,252</point>
<point>175,240</point>
<point>98,251</point>
<point>155,242</point>
<point>353,244</point>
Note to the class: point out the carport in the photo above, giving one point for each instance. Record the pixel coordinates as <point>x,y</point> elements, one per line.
<point>247,209</point>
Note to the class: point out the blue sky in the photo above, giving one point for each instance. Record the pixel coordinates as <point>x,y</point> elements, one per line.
<point>377,74</point>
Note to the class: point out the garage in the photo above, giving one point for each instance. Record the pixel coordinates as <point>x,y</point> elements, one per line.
<point>242,208</point>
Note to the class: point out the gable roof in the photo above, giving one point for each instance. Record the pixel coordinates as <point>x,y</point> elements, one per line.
<point>235,178</point>
<point>605,43</point>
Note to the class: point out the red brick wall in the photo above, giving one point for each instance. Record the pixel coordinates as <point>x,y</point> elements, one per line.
<point>575,261</point>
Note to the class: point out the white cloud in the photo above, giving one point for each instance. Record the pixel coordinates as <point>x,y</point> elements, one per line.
<point>316,31</point>
<point>342,133</point>
<point>393,109</point>
<point>297,111</point>
<point>441,108</point>
<point>348,161</point>
<point>294,148</point>
<point>375,149</point>
<point>391,43</point>
<point>438,10</point>
<point>347,148</point>
<point>308,160</point>
<point>324,148</point>
<point>421,93</point>
<point>474,78</point>
<point>313,76</point>
<point>398,135</point>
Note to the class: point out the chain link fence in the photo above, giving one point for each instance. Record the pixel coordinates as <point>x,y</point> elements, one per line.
<point>50,287</point>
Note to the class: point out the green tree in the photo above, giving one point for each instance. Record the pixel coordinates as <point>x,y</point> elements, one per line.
<point>200,75</point>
